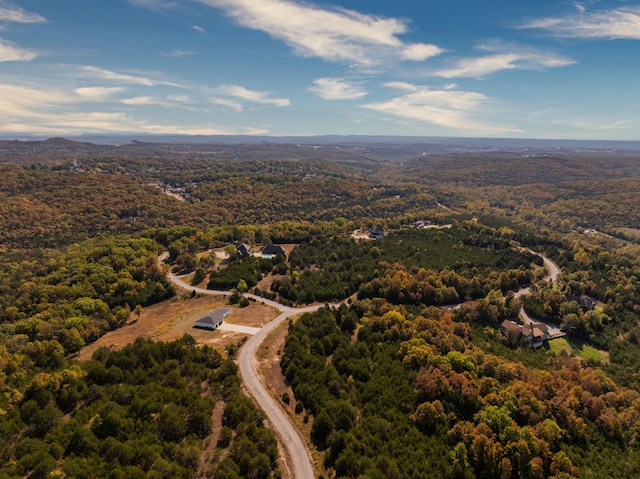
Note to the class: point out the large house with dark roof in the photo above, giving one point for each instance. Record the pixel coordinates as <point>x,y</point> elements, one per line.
<point>586,303</point>
<point>243,250</point>
<point>271,250</point>
<point>376,232</point>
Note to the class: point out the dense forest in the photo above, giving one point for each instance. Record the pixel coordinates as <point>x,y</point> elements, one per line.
<point>392,383</point>
<point>140,412</point>
<point>412,395</point>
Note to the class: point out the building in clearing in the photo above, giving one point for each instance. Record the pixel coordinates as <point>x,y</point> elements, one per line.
<point>213,319</point>
<point>271,250</point>
<point>244,250</point>
<point>376,232</point>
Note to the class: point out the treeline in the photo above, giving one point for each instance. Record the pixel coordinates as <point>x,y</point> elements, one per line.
<point>413,397</point>
<point>249,269</point>
<point>447,265</point>
<point>69,299</point>
<point>608,280</point>
<point>46,207</point>
<point>140,412</point>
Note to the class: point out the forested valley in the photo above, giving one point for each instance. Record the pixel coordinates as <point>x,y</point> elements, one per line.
<point>411,376</point>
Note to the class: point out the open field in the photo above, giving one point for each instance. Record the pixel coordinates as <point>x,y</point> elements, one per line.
<point>577,348</point>
<point>171,319</point>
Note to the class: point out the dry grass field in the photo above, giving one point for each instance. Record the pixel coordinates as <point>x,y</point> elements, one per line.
<point>170,319</point>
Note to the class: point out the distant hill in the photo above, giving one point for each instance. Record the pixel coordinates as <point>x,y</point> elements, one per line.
<point>35,150</point>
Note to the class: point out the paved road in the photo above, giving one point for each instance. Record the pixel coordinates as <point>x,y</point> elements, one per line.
<point>554,329</point>
<point>300,458</point>
<point>301,461</point>
<point>553,273</point>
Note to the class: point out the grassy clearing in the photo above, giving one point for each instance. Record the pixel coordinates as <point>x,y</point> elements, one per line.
<point>574,347</point>
<point>557,346</point>
<point>631,232</point>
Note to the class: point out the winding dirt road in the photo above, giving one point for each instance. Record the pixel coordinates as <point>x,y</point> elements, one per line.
<point>297,451</point>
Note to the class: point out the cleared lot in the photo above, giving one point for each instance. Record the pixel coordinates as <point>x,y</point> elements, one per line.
<point>170,319</point>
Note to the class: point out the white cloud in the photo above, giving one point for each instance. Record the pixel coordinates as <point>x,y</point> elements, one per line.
<point>504,59</point>
<point>198,28</point>
<point>21,101</point>
<point>400,85</point>
<point>334,35</point>
<point>234,105</point>
<point>13,53</point>
<point>139,100</point>
<point>418,52</point>
<point>49,111</point>
<point>15,14</point>
<point>97,92</point>
<point>171,101</point>
<point>103,74</point>
<point>337,89</point>
<point>448,108</point>
<point>608,24</point>
<point>251,95</point>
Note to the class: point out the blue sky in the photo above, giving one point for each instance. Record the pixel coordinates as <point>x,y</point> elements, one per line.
<point>492,68</point>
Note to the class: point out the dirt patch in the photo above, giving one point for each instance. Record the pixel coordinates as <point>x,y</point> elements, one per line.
<point>210,455</point>
<point>265,283</point>
<point>171,319</point>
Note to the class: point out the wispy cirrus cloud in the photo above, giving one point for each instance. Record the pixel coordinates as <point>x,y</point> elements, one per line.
<point>10,52</point>
<point>445,107</point>
<point>225,102</point>
<point>15,14</point>
<point>13,53</point>
<point>97,92</point>
<point>337,34</point>
<point>53,111</point>
<point>171,101</point>
<point>140,100</point>
<point>616,23</point>
<point>251,95</point>
<point>337,89</point>
<point>504,57</point>
<point>198,28</point>
<point>104,74</point>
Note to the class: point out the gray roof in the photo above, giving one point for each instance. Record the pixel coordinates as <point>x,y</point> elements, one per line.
<point>214,317</point>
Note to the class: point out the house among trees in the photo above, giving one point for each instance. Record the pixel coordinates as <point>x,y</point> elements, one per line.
<point>213,319</point>
<point>421,224</point>
<point>243,250</point>
<point>587,303</point>
<point>376,232</point>
<point>271,250</point>
<point>534,334</point>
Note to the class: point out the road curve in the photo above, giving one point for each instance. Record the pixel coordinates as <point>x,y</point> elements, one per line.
<point>553,272</point>
<point>301,462</point>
